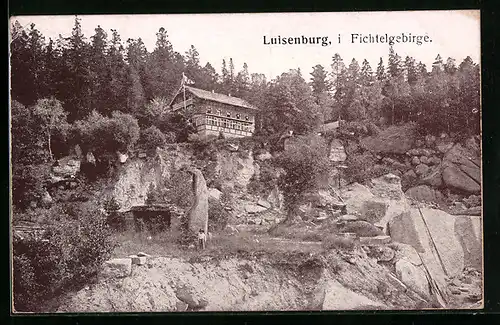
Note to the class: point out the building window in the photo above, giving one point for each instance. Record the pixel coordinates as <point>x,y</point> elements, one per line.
<point>247,118</point>
<point>228,114</point>
<point>238,116</point>
<point>219,112</point>
<point>209,111</point>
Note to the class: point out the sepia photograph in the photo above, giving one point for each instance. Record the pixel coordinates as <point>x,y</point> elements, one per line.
<point>321,161</point>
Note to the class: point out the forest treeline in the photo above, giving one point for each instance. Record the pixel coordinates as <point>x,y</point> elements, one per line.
<point>108,95</point>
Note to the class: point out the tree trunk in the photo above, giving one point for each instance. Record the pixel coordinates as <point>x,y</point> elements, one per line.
<point>50,147</point>
<point>293,215</point>
<point>392,113</point>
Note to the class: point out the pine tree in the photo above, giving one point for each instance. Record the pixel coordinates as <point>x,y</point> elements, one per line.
<point>437,66</point>
<point>381,76</point>
<point>366,77</point>
<point>20,90</point>
<point>319,82</point>
<point>77,84</point>
<point>394,64</point>
<point>338,68</point>
<point>450,67</point>
<point>411,70</point>
<point>193,68</point>
<point>243,82</point>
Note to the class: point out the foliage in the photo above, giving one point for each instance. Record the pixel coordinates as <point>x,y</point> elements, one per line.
<point>179,189</point>
<point>305,164</point>
<point>217,216</point>
<point>71,254</point>
<point>152,138</point>
<point>104,136</point>
<point>363,167</point>
<point>28,183</point>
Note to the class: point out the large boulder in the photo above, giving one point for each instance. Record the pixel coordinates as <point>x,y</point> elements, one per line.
<point>117,268</point>
<point>434,178</point>
<point>454,177</point>
<point>214,194</point>
<point>424,193</point>
<point>413,276</point>
<point>387,186</point>
<point>395,139</point>
<point>445,242</point>
<point>198,213</point>
<point>332,295</point>
<point>386,191</point>
<point>462,169</point>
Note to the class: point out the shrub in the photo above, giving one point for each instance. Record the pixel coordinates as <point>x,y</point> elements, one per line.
<point>306,164</point>
<point>28,183</point>
<point>179,189</point>
<point>363,167</point>
<point>71,253</point>
<point>217,215</point>
<point>114,219</point>
<point>151,138</point>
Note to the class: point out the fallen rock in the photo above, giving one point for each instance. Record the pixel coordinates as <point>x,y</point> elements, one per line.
<point>424,160</point>
<point>181,306</point>
<point>430,140</point>
<point>361,229</point>
<point>373,211</point>
<point>214,193</point>
<point>474,173</point>
<point>334,296</point>
<point>387,186</point>
<point>117,268</point>
<point>264,203</point>
<point>377,240</point>
<point>254,208</point>
<point>424,193</point>
<point>434,178</point>
<point>421,169</point>
<point>407,252</point>
<point>443,145</point>
<point>413,276</point>
<point>190,298</point>
<point>456,178</point>
<point>264,156</point>
<point>456,239</point>
<point>348,217</point>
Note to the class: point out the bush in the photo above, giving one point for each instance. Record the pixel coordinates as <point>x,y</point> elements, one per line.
<point>151,138</point>
<point>217,215</point>
<point>306,167</point>
<point>71,253</point>
<point>203,147</point>
<point>28,183</point>
<point>363,167</point>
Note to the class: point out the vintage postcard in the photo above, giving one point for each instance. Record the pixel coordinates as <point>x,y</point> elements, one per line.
<point>246,162</point>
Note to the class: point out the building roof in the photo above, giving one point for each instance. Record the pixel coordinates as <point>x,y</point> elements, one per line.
<point>229,100</point>
<point>328,126</point>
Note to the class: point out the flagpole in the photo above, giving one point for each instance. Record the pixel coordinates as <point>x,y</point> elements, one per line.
<point>184,89</point>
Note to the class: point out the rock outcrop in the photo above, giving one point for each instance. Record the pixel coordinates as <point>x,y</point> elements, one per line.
<point>197,215</point>
<point>447,244</point>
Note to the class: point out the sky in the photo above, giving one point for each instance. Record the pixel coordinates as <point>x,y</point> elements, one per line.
<point>454,34</point>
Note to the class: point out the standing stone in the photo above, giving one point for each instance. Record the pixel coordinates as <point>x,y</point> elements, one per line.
<point>197,215</point>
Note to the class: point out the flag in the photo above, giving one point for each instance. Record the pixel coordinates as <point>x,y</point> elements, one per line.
<point>186,80</point>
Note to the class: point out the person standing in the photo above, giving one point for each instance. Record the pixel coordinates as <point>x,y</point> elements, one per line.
<point>202,238</point>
